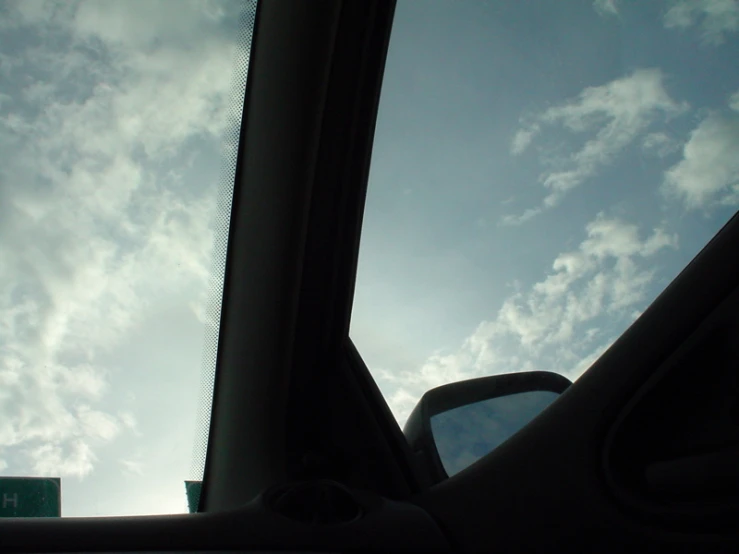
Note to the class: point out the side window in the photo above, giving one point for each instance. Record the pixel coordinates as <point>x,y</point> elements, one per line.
<point>540,173</point>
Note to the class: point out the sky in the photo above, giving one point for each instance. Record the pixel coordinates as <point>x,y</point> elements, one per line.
<point>541,172</point>
<point>115,163</point>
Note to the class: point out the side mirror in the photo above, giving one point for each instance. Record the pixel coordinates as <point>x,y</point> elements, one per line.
<point>455,425</point>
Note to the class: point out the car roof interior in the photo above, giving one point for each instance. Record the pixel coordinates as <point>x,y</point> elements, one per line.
<point>294,402</point>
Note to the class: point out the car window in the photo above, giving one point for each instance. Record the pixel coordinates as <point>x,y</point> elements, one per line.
<point>541,171</point>
<point>119,126</point>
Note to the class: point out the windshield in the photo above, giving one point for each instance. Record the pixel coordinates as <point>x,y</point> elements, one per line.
<point>119,125</point>
<point>541,171</point>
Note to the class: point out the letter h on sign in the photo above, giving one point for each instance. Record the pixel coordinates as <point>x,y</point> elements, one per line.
<point>10,499</point>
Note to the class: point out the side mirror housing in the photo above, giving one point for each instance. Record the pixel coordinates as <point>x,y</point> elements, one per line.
<point>454,425</point>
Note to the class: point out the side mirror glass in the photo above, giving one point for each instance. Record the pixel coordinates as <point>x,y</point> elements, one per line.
<point>455,425</point>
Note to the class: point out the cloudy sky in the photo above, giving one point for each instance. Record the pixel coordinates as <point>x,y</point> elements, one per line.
<point>541,171</point>
<point>114,156</point>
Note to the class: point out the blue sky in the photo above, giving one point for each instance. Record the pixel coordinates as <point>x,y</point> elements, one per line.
<point>541,171</point>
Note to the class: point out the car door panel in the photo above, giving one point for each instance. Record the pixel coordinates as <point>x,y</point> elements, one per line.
<point>672,453</point>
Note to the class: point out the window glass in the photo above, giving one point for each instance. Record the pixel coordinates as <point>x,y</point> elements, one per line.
<point>541,171</point>
<point>119,125</point>
<point>465,434</point>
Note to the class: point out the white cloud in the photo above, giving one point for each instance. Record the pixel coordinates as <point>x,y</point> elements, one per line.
<point>73,458</point>
<point>709,170</point>
<point>102,196</point>
<point>608,258</point>
<point>716,18</point>
<point>133,467</point>
<point>561,323</point>
<point>523,138</point>
<point>128,420</point>
<point>511,219</point>
<point>734,101</point>
<point>613,115</point>
<point>606,7</point>
<point>96,424</point>
<point>659,144</point>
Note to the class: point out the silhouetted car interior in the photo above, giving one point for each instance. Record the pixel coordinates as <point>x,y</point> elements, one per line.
<point>304,454</point>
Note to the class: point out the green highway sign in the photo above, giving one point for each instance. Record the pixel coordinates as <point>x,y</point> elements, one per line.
<point>193,488</point>
<point>30,497</point>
